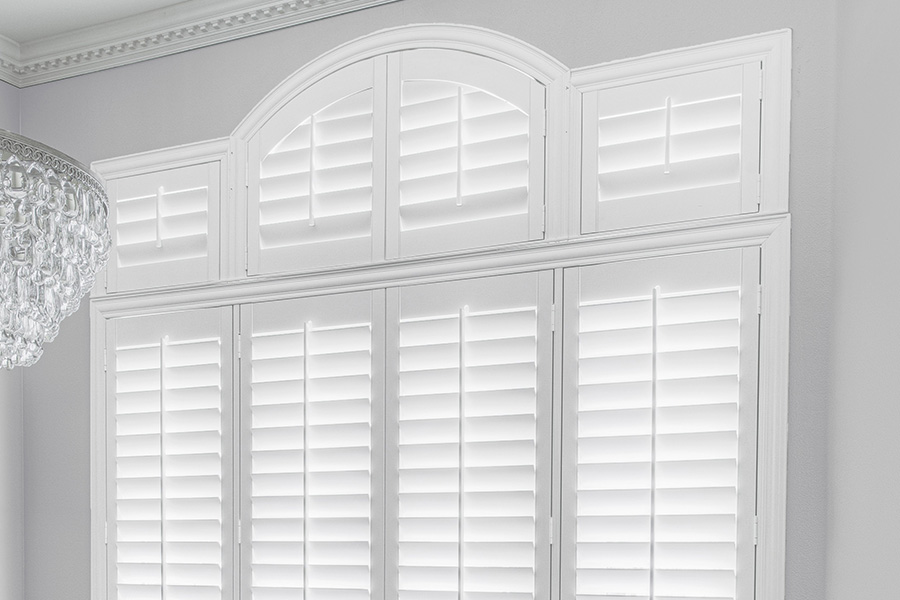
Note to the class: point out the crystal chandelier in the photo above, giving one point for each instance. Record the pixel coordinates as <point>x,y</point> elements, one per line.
<point>53,240</point>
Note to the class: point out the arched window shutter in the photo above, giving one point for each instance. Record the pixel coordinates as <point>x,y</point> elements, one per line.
<point>314,173</point>
<point>465,153</point>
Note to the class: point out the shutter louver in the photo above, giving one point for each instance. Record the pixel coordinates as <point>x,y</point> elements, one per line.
<point>469,154</point>
<point>658,402</point>
<point>169,454</point>
<point>310,453</point>
<point>314,184</point>
<point>165,227</point>
<point>468,506</point>
<point>672,149</point>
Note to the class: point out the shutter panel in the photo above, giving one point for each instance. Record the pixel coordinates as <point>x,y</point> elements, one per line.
<point>312,181</point>
<point>472,427</point>
<point>466,165</point>
<point>664,429</point>
<point>165,227</point>
<point>308,438</point>
<point>672,149</point>
<point>171,458</point>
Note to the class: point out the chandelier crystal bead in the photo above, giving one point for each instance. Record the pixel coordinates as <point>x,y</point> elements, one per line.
<point>54,239</point>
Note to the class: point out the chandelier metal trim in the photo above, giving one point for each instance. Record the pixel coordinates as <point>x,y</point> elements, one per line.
<point>54,239</point>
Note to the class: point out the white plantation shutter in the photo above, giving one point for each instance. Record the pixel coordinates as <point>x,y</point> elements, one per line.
<point>661,427</point>
<point>672,149</point>
<point>468,511</point>
<point>465,153</point>
<point>170,457</point>
<point>314,176</point>
<point>309,413</point>
<point>165,227</point>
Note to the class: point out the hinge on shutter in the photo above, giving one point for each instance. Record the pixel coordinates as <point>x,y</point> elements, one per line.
<point>551,531</point>
<point>105,354</point>
<point>239,533</point>
<point>755,530</point>
<point>544,124</point>
<point>106,533</point>
<point>759,300</point>
<point>758,188</point>
<point>239,346</point>
<point>553,317</point>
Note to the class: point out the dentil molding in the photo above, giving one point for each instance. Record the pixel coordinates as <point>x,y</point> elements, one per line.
<point>158,33</point>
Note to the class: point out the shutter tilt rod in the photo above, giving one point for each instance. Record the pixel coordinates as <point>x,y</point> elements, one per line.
<point>463,313</point>
<point>653,400</point>
<point>307,326</point>
<point>162,471</point>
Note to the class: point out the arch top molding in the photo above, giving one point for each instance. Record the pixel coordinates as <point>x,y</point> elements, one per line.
<point>477,40</point>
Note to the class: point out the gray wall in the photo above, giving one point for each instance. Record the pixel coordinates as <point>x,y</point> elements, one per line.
<point>864,412</point>
<point>205,93</point>
<point>12,487</point>
<point>12,459</point>
<point>9,107</point>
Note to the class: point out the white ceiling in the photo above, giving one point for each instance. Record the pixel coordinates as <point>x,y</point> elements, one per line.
<point>25,21</point>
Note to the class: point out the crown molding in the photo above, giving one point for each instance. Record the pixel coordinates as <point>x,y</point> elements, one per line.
<point>158,33</point>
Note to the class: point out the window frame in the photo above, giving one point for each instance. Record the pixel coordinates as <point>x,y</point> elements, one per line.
<point>563,247</point>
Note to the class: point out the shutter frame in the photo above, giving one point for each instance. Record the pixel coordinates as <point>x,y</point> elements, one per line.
<point>124,335</point>
<point>745,272</point>
<point>204,164</point>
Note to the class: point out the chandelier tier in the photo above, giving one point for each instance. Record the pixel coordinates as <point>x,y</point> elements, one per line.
<point>54,238</point>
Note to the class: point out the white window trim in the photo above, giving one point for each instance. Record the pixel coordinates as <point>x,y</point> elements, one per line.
<point>769,231</point>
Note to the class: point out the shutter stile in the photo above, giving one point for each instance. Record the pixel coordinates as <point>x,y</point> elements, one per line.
<point>311,458</point>
<point>169,457</point>
<point>467,454</point>
<point>657,473</point>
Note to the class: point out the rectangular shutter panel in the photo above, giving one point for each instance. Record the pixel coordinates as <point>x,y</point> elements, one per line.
<point>665,426</point>
<point>672,149</point>
<point>472,382</point>
<point>310,454</point>
<point>165,227</point>
<point>170,385</point>
<point>468,154</point>
<point>314,183</point>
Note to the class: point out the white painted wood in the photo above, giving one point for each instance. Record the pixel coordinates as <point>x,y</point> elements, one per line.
<point>771,50</point>
<point>188,182</point>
